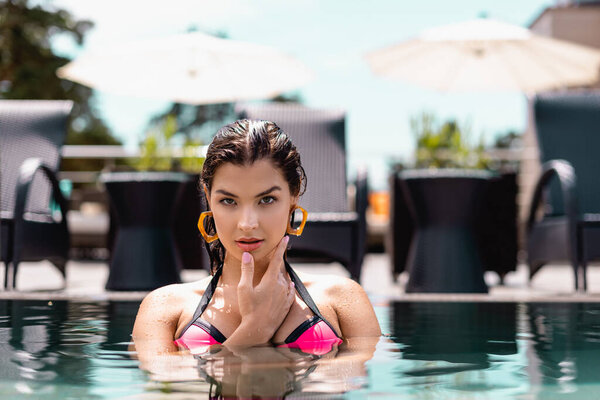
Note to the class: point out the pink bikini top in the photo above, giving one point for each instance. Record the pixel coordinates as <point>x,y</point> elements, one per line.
<point>314,336</point>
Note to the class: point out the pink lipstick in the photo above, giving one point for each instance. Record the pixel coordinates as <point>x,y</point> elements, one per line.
<point>250,244</point>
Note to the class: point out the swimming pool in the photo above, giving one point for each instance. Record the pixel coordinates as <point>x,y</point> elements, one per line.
<point>446,350</point>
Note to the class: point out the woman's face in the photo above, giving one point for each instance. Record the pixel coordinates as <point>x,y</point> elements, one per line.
<point>251,205</point>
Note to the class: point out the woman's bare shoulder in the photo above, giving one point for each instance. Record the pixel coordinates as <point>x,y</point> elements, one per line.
<point>350,302</point>
<point>161,310</point>
<point>169,299</point>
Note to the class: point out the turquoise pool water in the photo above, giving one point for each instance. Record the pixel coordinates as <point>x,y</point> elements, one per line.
<point>432,350</point>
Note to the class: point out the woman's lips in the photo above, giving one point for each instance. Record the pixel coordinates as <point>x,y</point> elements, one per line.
<point>249,245</point>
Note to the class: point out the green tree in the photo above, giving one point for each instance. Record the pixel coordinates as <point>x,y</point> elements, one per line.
<point>187,127</point>
<point>196,123</point>
<point>28,68</point>
<point>445,145</point>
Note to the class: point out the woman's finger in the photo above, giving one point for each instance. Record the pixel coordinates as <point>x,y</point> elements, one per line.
<point>247,270</point>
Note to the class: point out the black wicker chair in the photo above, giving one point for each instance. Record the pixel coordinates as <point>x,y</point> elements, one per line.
<point>333,231</point>
<point>568,132</point>
<point>32,133</point>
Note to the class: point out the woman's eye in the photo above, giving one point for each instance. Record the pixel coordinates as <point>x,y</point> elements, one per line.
<point>267,200</point>
<point>227,202</point>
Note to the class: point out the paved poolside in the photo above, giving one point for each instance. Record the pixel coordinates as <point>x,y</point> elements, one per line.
<point>86,279</point>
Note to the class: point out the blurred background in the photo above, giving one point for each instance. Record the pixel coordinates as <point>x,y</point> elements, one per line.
<point>390,124</point>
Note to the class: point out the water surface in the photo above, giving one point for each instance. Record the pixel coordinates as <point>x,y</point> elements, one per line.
<point>431,350</point>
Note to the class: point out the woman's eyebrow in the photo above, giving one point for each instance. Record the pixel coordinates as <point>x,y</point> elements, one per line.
<point>268,191</point>
<point>226,193</point>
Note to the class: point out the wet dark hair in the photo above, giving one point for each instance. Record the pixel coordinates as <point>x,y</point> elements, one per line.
<point>242,143</point>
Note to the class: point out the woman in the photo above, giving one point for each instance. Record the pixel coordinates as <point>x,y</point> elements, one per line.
<point>253,178</point>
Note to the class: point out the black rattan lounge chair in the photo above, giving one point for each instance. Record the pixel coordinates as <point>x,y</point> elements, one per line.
<point>32,133</point>
<point>333,231</point>
<point>568,132</point>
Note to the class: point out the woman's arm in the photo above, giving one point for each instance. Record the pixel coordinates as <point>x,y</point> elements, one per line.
<point>158,316</point>
<point>354,311</point>
<point>154,331</point>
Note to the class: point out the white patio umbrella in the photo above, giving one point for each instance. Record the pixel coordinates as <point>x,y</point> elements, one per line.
<point>485,54</point>
<point>192,68</point>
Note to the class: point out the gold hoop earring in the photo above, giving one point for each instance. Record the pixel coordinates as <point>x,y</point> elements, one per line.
<point>206,236</point>
<point>298,230</point>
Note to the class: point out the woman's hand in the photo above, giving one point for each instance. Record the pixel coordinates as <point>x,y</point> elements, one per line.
<point>263,307</point>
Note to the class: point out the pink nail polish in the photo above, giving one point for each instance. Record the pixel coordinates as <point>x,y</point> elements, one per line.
<point>246,257</point>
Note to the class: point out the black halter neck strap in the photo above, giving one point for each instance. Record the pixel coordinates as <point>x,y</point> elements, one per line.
<point>301,290</point>
<point>208,294</point>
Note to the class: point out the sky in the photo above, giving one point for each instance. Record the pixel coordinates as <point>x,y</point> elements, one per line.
<point>331,37</point>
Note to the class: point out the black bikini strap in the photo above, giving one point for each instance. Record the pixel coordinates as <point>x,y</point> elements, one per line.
<point>208,294</point>
<point>301,289</point>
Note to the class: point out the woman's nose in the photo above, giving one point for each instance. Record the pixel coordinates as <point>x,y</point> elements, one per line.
<point>248,220</point>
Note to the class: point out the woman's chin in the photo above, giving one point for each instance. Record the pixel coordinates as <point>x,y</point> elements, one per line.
<point>260,255</point>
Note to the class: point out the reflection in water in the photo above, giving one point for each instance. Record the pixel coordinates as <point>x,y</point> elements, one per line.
<point>565,347</point>
<point>466,334</point>
<point>258,372</point>
<point>57,350</point>
<point>33,356</point>
<point>262,372</point>
<point>460,349</point>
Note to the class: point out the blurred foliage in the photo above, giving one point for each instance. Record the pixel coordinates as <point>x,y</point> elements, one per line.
<point>445,145</point>
<point>158,148</point>
<point>510,140</point>
<point>28,69</point>
<point>184,128</point>
<point>196,123</point>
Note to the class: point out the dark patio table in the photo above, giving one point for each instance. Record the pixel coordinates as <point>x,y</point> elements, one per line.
<point>444,255</point>
<point>144,256</point>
